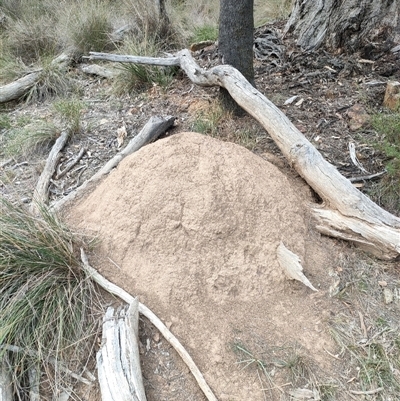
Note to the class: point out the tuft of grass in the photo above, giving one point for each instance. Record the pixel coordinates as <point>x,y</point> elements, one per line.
<point>387,192</point>
<point>31,38</point>
<point>207,120</point>
<point>204,32</point>
<point>246,138</point>
<point>46,299</point>
<point>29,139</point>
<point>11,67</point>
<point>70,112</point>
<point>52,82</point>
<point>88,25</point>
<point>139,77</point>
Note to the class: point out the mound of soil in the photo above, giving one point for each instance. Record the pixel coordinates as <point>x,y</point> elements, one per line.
<point>193,224</point>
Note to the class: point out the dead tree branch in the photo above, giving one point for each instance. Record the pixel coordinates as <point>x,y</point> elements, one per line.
<point>346,213</point>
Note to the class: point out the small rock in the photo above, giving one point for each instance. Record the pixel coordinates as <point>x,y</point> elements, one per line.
<point>392,95</point>
<point>382,283</point>
<point>358,117</point>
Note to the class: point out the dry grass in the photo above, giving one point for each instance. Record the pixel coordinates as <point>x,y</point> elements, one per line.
<point>367,329</point>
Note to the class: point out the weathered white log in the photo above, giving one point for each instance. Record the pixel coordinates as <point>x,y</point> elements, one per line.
<point>118,361</point>
<point>41,191</point>
<point>337,192</point>
<point>151,131</point>
<point>145,311</point>
<point>160,61</point>
<point>18,88</point>
<point>21,86</point>
<point>6,387</point>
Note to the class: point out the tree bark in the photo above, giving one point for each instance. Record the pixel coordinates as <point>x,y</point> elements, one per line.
<point>235,42</point>
<point>346,213</point>
<point>345,25</point>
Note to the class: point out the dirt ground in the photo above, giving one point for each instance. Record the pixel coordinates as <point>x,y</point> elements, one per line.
<point>191,224</point>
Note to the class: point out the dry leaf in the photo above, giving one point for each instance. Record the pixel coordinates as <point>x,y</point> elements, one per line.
<point>121,135</point>
<point>290,263</point>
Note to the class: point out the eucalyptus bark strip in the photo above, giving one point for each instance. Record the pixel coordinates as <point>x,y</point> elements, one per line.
<point>346,212</point>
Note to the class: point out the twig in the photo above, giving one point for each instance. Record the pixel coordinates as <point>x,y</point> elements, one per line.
<point>332,355</point>
<point>362,324</point>
<point>368,177</point>
<point>71,164</point>
<point>53,361</point>
<point>369,392</point>
<point>2,165</point>
<point>152,130</point>
<point>145,311</point>
<point>354,159</point>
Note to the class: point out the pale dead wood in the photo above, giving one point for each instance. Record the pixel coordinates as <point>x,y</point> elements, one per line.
<point>151,131</point>
<point>291,265</point>
<point>160,61</point>
<point>145,311</point>
<point>34,384</point>
<point>118,361</point>
<point>368,392</point>
<point>358,219</point>
<point>21,86</point>
<point>71,164</point>
<point>368,177</point>
<point>42,186</point>
<point>18,88</point>
<point>6,387</point>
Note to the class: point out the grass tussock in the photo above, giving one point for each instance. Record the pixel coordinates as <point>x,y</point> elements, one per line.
<point>387,191</point>
<point>32,138</point>
<point>45,297</point>
<point>139,77</point>
<point>89,26</point>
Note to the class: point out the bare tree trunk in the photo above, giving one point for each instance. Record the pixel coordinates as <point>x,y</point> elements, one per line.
<point>345,25</point>
<point>235,42</point>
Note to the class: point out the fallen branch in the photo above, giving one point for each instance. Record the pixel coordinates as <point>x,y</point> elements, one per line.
<point>42,186</point>
<point>376,230</point>
<point>21,86</point>
<point>18,88</point>
<point>151,131</point>
<point>368,177</point>
<point>368,392</point>
<point>115,290</point>
<point>71,164</point>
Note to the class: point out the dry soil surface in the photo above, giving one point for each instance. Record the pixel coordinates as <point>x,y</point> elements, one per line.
<point>192,225</point>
